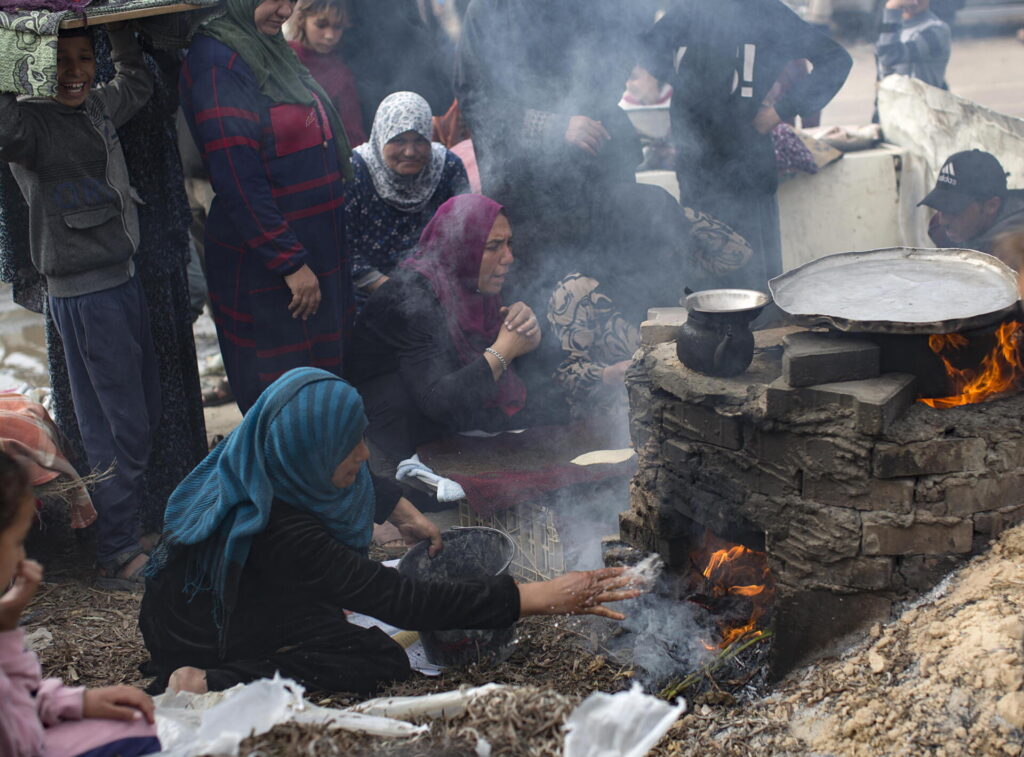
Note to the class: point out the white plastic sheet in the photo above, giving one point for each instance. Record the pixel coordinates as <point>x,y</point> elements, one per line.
<point>626,724</point>
<point>215,724</point>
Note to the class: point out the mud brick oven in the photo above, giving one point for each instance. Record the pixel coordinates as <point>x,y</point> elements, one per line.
<point>860,495</point>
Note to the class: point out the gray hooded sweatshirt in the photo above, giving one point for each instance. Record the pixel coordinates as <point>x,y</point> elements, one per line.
<point>68,162</point>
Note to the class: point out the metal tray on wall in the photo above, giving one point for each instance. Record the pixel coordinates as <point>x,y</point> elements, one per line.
<point>899,290</point>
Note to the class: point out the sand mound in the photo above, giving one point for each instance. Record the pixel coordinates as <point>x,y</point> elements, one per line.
<point>945,678</point>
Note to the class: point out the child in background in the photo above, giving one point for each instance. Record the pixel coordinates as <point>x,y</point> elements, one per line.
<point>40,718</point>
<point>316,29</point>
<point>67,159</point>
<point>913,41</point>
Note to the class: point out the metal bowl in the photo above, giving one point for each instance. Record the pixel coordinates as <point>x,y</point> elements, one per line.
<point>726,300</point>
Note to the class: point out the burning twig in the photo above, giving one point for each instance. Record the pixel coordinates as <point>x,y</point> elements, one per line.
<point>672,691</point>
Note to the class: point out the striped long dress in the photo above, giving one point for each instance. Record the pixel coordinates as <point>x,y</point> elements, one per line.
<point>279,204</point>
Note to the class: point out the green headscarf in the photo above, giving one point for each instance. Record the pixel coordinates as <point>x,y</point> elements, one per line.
<point>279,72</point>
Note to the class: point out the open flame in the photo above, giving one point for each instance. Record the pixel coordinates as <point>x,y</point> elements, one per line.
<point>1001,370</point>
<point>735,584</point>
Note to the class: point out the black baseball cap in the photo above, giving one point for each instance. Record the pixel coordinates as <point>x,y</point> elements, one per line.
<point>964,178</point>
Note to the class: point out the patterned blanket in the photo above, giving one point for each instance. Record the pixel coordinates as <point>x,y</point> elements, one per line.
<point>28,434</point>
<point>28,39</point>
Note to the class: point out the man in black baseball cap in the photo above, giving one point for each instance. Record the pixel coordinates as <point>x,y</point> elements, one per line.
<point>973,205</point>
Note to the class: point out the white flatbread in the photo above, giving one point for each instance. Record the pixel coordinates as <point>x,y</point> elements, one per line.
<point>605,456</point>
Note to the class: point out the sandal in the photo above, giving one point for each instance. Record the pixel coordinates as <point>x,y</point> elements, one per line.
<point>218,394</point>
<point>110,577</point>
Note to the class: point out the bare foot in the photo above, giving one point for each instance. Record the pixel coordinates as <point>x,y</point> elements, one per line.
<point>188,679</point>
<point>149,541</point>
<point>133,567</point>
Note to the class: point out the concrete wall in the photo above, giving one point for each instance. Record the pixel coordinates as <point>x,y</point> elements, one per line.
<point>850,205</point>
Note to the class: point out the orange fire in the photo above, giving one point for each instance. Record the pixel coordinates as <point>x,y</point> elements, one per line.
<point>1001,370</point>
<point>735,570</point>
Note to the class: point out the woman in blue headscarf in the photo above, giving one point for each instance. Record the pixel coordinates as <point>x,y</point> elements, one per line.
<point>264,548</point>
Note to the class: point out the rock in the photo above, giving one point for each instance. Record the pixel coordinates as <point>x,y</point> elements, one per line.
<point>1011,709</point>
<point>877,662</point>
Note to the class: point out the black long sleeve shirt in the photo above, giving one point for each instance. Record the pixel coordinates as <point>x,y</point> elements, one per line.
<point>722,58</point>
<point>297,578</point>
<point>405,363</point>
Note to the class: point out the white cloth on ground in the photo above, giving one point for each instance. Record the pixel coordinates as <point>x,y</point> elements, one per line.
<point>447,490</point>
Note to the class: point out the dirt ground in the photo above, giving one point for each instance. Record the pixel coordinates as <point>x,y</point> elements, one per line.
<point>943,679</point>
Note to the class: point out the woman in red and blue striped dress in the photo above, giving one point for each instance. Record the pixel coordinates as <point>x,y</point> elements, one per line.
<point>278,272</point>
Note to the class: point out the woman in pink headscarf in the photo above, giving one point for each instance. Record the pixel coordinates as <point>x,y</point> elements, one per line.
<point>435,349</point>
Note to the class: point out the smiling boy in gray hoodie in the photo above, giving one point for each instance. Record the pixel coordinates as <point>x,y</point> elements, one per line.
<point>66,157</point>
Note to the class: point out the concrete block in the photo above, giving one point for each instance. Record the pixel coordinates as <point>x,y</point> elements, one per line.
<point>854,574</point>
<point>750,475</point>
<point>634,531</point>
<point>812,358</point>
<point>994,523</point>
<point>921,572</point>
<point>661,325</point>
<point>678,454</point>
<point>780,399</point>
<point>935,538</point>
<point>819,534</point>
<point>814,624</point>
<point>894,495</point>
<point>964,497</point>
<point>928,458</point>
<point>876,402</point>
<point>815,456</point>
<point>705,425</point>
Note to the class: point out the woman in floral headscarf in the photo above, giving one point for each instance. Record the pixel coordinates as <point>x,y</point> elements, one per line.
<point>401,179</point>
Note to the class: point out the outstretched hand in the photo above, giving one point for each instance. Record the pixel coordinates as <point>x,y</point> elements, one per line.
<point>16,599</point>
<point>578,593</point>
<point>117,703</point>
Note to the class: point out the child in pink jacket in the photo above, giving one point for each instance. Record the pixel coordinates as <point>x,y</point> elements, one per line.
<point>45,718</point>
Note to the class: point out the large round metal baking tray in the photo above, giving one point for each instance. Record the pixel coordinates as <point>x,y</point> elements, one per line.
<point>899,290</point>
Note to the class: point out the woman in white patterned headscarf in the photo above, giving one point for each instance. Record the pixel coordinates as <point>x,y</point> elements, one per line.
<point>401,179</point>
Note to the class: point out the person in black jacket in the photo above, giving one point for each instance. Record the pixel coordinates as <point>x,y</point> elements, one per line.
<point>538,83</point>
<point>390,49</point>
<point>264,548</point>
<point>722,59</point>
<point>435,351</point>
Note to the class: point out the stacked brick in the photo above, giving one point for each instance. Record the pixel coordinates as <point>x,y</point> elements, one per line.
<point>860,495</point>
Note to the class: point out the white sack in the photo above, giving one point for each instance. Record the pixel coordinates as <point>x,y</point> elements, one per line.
<point>450,704</point>
<point>626,724</point>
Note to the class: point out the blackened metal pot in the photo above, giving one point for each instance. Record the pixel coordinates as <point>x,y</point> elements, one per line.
<point>716,339</point>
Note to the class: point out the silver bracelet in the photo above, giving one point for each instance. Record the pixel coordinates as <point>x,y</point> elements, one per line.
<point>501,358</point>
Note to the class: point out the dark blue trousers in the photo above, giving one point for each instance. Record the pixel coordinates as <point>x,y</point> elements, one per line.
<point>116,391</point>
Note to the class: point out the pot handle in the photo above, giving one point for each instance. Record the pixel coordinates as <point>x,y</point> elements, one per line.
<point>720,350</point>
